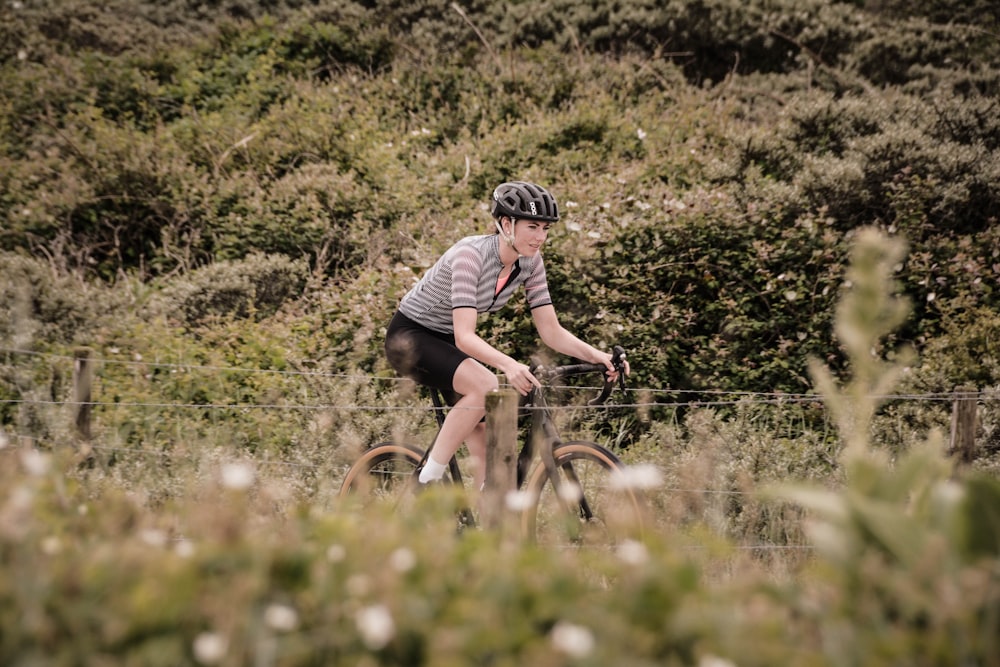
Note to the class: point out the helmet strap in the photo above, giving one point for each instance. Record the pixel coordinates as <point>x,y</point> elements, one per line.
<point>508,237</point>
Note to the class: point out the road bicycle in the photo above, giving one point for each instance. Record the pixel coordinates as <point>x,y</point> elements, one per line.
<point>565,490</point>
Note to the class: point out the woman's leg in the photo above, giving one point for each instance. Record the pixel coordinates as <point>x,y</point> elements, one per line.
<point>472,381</point>
<point>476,444</point>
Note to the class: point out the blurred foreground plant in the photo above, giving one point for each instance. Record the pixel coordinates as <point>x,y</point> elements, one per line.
<point>909,568</point>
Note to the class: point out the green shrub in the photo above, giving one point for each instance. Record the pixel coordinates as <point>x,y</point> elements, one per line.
<point>38,306</point>
<point>254,287</point>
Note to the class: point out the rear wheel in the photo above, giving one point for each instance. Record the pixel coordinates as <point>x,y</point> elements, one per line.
<point>591,509</point>
<point>382,472</point>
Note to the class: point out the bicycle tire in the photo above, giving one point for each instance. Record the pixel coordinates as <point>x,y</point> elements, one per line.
<point>603,515</point>
<point>381,472</point>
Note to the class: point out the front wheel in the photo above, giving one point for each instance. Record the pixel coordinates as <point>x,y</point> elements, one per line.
<point>592,509</point>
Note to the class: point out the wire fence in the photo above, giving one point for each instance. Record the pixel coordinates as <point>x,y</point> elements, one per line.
<point>86,396</point>
<point>695,397</point>
<point>639,400</point>
<point>83,384</point>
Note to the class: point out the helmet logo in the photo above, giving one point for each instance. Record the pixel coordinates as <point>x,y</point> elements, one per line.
<point>534,210</point>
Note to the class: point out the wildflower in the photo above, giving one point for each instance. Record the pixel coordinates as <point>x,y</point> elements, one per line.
<point>35,462</point>
<point>281,617</point>
<point>237,476</point>
<point>153,537</point>
<point>51,545</point>
<point>632,552</point>
<point>184,548</point>
<point>641,133</point>
<point>518,501</point>
<point>335,553</point>
<point>574,640</point>
<point>714,661</point>
<point>210,648</point>
<point>402,559</point>
<point>641,477</point>
<point>570,492</point>
<point>376,626</point>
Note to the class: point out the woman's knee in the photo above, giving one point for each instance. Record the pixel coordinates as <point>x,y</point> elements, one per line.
<point>472,378</point>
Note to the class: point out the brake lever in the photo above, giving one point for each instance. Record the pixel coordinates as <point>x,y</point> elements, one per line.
<point>618,361</point>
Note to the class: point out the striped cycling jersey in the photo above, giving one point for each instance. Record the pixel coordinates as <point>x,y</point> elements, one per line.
<point>466,277</point>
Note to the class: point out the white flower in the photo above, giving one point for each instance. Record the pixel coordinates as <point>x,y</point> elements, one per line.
<point>184,548</point>
<point>642,477</point>
<point>153,537</point>
<point>402,559</point>
<point>51,545</point>
<point>375,626</point>
<point>633,552</point>
<point>570,492</point>
<point>714,661</point>
<point>281,617</point>
<point>573,640</point>
<point>237,476</point>
<point>641,133</point>
<point>35,462</point>
<point>518,501</point>
<point>791,295</point>
<point>210,648</point>
<point>335,553</point>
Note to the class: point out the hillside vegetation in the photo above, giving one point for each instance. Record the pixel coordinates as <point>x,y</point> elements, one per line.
<point>786,210</point>
<point>713,159</point>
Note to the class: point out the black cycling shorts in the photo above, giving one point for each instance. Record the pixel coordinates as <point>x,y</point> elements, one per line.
<point>425,356</point>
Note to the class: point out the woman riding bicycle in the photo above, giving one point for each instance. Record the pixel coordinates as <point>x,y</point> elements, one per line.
<point>432,337</point>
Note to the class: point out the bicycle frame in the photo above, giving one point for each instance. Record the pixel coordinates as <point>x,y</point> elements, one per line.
<point>542,436</point>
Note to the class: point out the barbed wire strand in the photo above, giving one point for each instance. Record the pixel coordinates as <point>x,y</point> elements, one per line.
<point>770,397</point>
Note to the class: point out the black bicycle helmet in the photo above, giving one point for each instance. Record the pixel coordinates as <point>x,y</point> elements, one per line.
<point>524,201</point>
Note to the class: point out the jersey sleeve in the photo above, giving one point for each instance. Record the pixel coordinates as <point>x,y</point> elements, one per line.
<point>466,268</point>
<point>536,287</point>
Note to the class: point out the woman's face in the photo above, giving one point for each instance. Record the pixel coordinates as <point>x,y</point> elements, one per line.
<point>530,235</point>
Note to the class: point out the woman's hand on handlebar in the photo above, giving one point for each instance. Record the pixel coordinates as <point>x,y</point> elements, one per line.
<point>520,377</point>
<point>616,363</point>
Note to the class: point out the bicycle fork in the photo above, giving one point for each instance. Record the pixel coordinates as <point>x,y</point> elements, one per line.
<point>568,489</point>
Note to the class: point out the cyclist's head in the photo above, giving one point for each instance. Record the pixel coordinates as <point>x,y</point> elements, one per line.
<point>524,201</point>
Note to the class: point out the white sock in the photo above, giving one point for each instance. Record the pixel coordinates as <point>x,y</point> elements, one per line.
<point>432,470</point>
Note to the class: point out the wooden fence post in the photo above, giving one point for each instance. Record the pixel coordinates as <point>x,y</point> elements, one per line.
<point>501,455</point>
<point>82,383</point>
<point>963,424</point>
